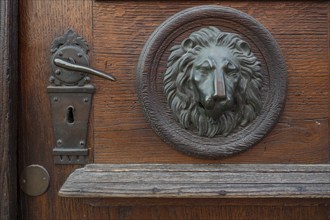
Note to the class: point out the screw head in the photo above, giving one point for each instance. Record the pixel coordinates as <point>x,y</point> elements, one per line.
<point>86,99</point>
<point>87,79</point>
<point>60,53</point>
<point>82,143</point>
<point>55,99</point>
<point>57,72</point>
<point>80,55</point>
<point>59,142</point>
<point>51,79</point>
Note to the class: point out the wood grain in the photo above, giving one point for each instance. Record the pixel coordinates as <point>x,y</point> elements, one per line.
<point>8,108</point>
<point>219,209</point>
<point>151,84</point>
<point>198,181</point>
<point>116,32</point>
<point>40,23</point>
<point>121,132</point>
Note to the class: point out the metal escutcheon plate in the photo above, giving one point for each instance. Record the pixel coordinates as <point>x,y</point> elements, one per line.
<point>34,180</point>
<point>73,54</point>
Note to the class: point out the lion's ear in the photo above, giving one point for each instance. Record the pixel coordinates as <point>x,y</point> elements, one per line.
<point>187,44</point>
<point>245,47</point>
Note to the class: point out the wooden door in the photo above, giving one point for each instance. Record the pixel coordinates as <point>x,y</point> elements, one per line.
<point>118,132</point>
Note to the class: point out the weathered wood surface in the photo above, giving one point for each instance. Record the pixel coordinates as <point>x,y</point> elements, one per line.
<point>116,32</point>
<point>40,23</point>
<point>122,134</point>
<point>8,104</point>
<point>198,181</point>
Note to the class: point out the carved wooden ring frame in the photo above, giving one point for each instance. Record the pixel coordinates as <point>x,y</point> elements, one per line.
<point>152,66</point>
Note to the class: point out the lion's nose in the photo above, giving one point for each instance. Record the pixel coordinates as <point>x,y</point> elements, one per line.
<point>209,103</point>
<point>219,87</point>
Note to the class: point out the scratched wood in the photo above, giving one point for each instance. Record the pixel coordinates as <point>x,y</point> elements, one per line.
<point>121,133</point>
<point>198,181</point>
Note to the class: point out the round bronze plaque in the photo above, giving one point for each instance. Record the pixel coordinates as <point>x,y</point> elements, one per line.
<point>34,180</point>
<point>212,81</point>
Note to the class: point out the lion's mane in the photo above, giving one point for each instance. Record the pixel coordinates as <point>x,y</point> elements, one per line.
<point>178,87</point>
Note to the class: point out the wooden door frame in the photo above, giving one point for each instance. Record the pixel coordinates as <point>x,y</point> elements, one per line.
<point>8,108</point>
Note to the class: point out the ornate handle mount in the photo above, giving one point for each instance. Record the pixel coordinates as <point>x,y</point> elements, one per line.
<point>70,61</point>
<point>70,94</point>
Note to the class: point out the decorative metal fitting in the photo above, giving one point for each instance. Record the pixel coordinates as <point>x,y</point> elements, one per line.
<point>70,94</point>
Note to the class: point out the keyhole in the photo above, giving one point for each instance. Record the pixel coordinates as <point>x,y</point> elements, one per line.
<point>70,115</point>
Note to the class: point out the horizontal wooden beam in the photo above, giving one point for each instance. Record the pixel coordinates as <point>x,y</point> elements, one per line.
<point>198,181</point>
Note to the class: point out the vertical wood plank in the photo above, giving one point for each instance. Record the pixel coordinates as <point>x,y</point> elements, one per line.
<point>40,22</point>
<point>8,104</point>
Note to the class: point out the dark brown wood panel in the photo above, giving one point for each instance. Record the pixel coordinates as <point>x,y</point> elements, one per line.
<point>176,209</point>
<point>40,23</point>
<point>121,133</point>
<point>217,209</point>
<point>8,108</point>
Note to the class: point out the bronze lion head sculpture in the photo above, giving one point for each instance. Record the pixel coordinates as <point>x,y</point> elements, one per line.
<point>213,82</point>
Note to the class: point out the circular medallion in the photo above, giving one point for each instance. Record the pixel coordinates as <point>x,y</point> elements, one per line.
<point>212,81</point>
<point>34,180</point>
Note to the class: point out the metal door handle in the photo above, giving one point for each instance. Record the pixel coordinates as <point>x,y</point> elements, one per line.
<point>76,67</point>
<point>71,93</point>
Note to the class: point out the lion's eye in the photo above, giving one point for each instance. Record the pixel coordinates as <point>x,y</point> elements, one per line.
<point>205,67</point>
<point>230,69</point>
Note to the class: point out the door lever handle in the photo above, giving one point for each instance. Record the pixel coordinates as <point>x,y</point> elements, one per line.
<point>71,93</point>
<point>81,68</point>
